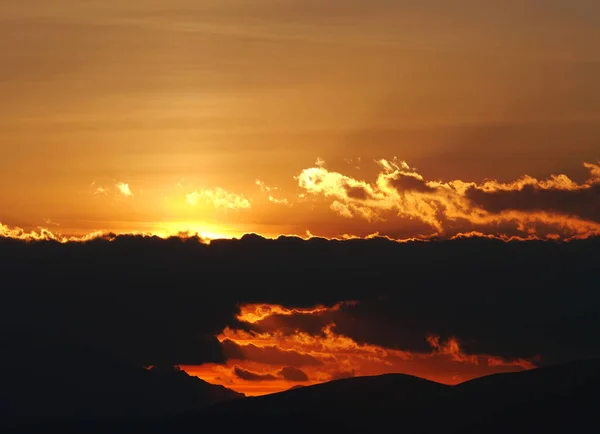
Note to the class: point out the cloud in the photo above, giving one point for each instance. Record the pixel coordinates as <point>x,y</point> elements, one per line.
<point>289,373</point>
<point>50,222</point>
<point>253,313</point>
<point>45,234</point>
<point>246,375</point>
<point>556,206</point>
<point>341,209</point>
<point>447,310</point>
<point>101,190</point>
<point>17,233</point>
<point>594,170</point>
<point>279,201</point>
<point>341,356</point>
<point>270,355</point>
<point>124,189</point>
<point>219,198</point>
<point>266,189</point>
<point>533,197</point>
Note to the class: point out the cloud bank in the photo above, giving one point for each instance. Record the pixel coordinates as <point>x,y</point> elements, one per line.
<point>444,310</point>
<point>556,207</point>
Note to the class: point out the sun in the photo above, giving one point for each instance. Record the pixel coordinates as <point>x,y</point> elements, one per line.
<point>204,230</point>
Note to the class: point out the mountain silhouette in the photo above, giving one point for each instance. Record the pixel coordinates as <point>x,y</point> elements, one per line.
<point>297,386</point>
<point>345,405</point>
<point>556,399</point>
<point>559,398</point>
<point>45,382</point>
<point>562,397</point>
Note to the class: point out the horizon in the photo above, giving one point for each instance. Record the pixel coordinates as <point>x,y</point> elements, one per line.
<point>556,207</point>
<point>273,117</point>
<point>279,193</point>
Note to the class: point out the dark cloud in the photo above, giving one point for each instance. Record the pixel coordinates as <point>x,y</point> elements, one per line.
<point>290,373</point>
<point>356,192</point>
<point>564,208</point>
<point>244,374</point>
<point>410,183</point>
<point>359,321</point>
<point>582,202</point>
<point>269,355</point>
<point>160,301</point>
<point>289,324</point>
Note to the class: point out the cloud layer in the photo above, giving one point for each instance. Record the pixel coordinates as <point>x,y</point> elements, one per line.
<point>557,207</point>
<point>396,201</point>
<point>444,310</point>
<point>219,198</point>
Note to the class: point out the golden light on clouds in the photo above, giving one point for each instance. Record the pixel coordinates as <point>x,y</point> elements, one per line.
<point>304,98</point>
<point>219,198</point>
<point>269,359</point>
<point>253,313</point>
<point>313,119</point>
<point>398,202</point>
<point>124,189</point>
<point>400,191</point>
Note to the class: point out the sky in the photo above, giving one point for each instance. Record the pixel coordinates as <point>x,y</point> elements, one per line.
<point>270,359</point>
<point>223,118</point>
<point>386,120</point>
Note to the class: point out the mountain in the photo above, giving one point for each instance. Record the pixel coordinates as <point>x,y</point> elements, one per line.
<point>562,398</point>
<point>346,405</point>
<point>557,399</point>
<point>297,386</point>
<point>46,382</point>
<point>554,399</point>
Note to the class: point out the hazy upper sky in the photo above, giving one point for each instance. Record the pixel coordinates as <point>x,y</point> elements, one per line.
<point>158,115</point>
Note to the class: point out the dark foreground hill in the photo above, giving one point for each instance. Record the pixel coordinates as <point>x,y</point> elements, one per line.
<point>563,398</point>
<point>559,399</point>
<point>41,382</point>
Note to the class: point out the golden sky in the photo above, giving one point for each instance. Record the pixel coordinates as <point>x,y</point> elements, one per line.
<point>234,116</point>
<point>269,360</point>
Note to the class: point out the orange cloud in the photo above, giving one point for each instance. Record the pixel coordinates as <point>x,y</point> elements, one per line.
<point>44,234</point>
<point>279,201</point>
<point>267,189</point>
<point>101,190</point>
<point>270,360</point>
<point>546,208</point>
<point>219,198</point>
<point>124,189</point>
<point>253,313</point>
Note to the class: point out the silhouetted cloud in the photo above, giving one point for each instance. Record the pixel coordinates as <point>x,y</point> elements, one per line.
<point>271,355</point>
<point>447,309</point>
<point>252,376</point>
<point>582,202</point>
<point>290,373</point>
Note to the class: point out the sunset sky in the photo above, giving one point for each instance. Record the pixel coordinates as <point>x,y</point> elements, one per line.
<point>340,119</point>
<point>217,117</point>
<point>274,356</point>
